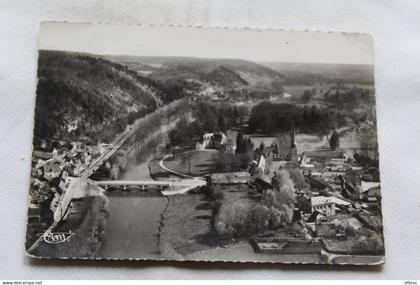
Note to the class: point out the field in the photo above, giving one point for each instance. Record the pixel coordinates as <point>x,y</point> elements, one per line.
<point>199,162</point>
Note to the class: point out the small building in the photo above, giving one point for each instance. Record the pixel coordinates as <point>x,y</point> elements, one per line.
<point>261,163</point>
<point>306,162</point>
<point>323,205</point>
<point>52,168</point>
<point>263,183</point>
<point>42,154</point>
<point>230,178</point>
<point>369,191</point>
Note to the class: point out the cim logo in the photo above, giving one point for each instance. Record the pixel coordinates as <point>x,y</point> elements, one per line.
<point>54,238</point>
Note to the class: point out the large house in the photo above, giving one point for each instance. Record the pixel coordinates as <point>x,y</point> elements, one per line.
<point>323,205</point>
<point>212,141</point>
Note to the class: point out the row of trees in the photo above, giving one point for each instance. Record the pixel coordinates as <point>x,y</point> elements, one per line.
<point>352,98</point>
<point>229,162</point>
<point>270,118</point>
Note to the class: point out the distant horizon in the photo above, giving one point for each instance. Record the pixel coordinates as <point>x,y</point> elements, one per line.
<point>213,43</point>
<point>206,58</point>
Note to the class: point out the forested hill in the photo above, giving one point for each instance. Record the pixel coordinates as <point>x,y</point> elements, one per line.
<point>225,73</point>
<point>82,95</point>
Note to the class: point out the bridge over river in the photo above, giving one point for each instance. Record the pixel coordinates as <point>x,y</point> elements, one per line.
<point>166,187</point>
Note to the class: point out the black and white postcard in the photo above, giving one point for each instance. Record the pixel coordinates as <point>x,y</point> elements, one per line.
<point>205,144</point>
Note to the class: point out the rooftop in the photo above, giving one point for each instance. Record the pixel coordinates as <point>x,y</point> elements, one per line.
<point>365,186</point>
<point>321,200</point>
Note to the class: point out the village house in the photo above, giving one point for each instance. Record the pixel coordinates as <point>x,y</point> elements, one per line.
<point>212,141</point>
<point>42,154</point>
<point>323,205</point>
<point>306,162</point>
<point>369,191</point>
<point>257,167</point>
<point>52,168</point>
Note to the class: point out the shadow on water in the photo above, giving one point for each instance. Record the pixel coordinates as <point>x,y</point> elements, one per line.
<point>133,224</point>
<point>203,217</point>
<point>133,193</point>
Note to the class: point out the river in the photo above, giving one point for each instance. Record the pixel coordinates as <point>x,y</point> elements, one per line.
<point>133,225</point>
<point>134,220</point>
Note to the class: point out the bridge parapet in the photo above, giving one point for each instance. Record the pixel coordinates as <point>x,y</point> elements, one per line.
<point>183,186</point>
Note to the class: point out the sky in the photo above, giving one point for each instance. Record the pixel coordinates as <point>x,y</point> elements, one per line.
<point>247,44</point>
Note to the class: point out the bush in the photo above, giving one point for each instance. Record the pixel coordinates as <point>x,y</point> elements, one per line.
<point>214,192</point>
<point>298,178</point>
<point>368,242</point>
<point>232,220</point>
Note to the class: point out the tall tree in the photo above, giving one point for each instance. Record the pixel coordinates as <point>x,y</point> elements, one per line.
<point>307,95</point>
<point>261,147</point>
<point>235,116</point>
<point>334,140</point>
<point>221,124</point>
<point>239,142</point>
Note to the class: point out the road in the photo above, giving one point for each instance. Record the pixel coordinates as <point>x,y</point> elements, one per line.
<point>116,144</point>
<point>170,170</point>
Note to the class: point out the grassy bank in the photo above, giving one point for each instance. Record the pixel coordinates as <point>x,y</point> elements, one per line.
<point>187,221</point>
<point>186,225</point>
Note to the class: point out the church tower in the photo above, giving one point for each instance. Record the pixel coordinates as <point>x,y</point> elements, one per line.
<point>293,148</point>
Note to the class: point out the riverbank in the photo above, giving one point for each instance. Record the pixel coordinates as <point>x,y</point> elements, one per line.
<point>186,225</point>
<point>242,251</point>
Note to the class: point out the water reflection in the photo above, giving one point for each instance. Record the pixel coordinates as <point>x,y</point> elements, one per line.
<point>133,225</point>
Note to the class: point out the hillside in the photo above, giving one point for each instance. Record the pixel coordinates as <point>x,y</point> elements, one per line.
<point>79,95</point>
<point>224,73</point>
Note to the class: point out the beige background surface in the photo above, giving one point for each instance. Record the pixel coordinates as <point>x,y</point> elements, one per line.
<point>395,28</point>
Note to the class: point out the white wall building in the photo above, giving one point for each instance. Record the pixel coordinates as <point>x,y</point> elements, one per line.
<point>323,205</point>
